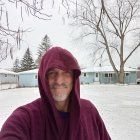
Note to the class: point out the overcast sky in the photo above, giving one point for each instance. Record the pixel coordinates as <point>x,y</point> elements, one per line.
<point>60,34</point>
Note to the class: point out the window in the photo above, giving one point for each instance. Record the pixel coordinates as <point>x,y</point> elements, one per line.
<point>110,74</point>
<point>96,74</point>
<point>35,76</point>
<point>126,74</point>
<point>84,74</point>
<point>5,75</point>
<point>106,74</point>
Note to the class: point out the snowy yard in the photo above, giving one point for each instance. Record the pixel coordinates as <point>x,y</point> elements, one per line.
<point>118,105</point>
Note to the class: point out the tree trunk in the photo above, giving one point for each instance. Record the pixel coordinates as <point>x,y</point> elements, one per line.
<point>121,75</point>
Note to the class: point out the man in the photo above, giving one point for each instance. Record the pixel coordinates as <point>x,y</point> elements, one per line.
<point>59,114</point>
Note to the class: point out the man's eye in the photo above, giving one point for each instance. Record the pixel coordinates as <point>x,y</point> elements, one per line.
<point>51,73</point>
<point>69,72</point>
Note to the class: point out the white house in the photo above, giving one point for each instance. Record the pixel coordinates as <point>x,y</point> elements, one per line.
<point>28,78</point>
<point>8,79</point>
<point>106,75</point>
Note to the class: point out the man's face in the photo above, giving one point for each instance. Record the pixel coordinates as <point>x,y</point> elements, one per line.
<point>60,83</point>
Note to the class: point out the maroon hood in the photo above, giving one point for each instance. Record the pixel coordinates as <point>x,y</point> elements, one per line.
<point>60,58</point>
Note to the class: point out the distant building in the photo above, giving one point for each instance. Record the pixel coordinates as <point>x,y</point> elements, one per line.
<point>28,78</point>
<point>8,79</point>
<point>106,75</point>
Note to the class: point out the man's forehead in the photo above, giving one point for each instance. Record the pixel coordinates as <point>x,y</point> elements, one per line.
<point>54,69</point>
<point>58,70</point>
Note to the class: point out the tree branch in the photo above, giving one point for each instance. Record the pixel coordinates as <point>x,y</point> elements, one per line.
<point>138,45</point>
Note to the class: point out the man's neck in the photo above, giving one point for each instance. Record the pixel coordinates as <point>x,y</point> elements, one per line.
<point>62,106</point>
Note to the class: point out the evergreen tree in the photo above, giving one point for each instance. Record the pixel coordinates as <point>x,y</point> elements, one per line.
<point>16,65</point>
<point>27,62</point>
<point>43,47</point>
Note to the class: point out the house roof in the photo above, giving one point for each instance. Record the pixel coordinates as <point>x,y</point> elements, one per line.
<point>3,71</point>
<point>106,69</point>
<point>34,71</point>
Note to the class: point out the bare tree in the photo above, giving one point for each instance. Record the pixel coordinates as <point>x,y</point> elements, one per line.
<point>36,8</point>
<point>9,37</point>
<point>114,24</point>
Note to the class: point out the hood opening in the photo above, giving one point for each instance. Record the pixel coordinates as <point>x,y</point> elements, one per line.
<point>60,58</point>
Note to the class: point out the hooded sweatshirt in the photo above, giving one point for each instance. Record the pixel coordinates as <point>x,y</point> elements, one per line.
<point>40,119</point>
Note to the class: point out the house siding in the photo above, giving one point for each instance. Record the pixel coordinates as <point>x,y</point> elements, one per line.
<point>107,78</point>
<point>8,78</point>
<point>131,78</point>
<point>87,78</point>
<point>28,80</point>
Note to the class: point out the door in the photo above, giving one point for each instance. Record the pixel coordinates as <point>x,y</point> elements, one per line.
<point>96,77</point>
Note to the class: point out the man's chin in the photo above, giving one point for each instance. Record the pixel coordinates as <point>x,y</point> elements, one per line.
<point>60,98</point>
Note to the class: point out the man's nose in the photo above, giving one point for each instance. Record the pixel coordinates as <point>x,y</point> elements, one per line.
<point>59,79</point>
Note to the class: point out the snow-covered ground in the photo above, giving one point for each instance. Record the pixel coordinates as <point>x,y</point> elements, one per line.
<point>119,106</point>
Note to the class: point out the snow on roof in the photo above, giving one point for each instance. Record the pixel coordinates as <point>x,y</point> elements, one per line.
<point>106,69</point>
<point>29,71</point>
<point>3,71</point>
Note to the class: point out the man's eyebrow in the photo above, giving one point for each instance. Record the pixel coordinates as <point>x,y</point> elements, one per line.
<point>50,71</point>
<point>69,71</point>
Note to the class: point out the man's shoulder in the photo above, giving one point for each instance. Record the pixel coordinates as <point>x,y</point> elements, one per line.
<point>87,105</point>
<point>27,109</point>
<point>23,118</point>
<point>33,106</point>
